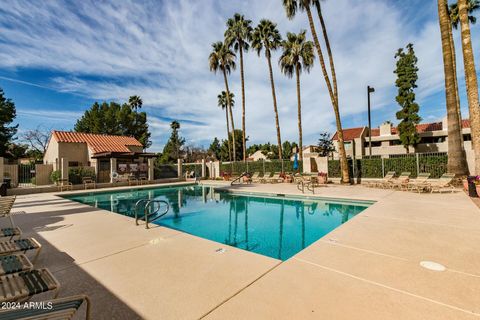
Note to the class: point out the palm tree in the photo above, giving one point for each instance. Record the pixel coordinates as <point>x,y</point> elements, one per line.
<point>266,37</point>
<point>473,5</point>
<point>291,8</point>
<point>222,58</point>
<point>222,103</point>
<point>135,102</point>
<point>471,80</point>
<point>298,54</point>
<point>456,155</point>
<point>239,35</point>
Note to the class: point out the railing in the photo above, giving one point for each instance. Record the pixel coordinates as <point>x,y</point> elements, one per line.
<point>261,166</point>
<point>147,213</point>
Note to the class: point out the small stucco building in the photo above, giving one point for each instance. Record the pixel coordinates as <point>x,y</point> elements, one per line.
<point>75,149</point>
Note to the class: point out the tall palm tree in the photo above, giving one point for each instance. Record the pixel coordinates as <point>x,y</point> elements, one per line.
<point>471,80</point>
<point>222,58</point>
<point>291,8</point>
<point>298,54</point>
<point>456,155</point>
<point>135,102</point>
<point>223,103</point>
<point>266,37</point>
<point>239,35</point>
<point>473,5</point>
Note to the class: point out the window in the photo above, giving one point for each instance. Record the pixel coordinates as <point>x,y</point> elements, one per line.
<point>467,137</point>
<point>348,145</point>
<point>432,139</point>
<point>375,144</point>
<point>395,142</point>
<point>73,164</point>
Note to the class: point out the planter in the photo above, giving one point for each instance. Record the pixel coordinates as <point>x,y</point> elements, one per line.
<point>478,189</point>
<point>465,185</point>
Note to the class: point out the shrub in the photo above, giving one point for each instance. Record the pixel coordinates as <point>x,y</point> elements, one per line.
<point>55,176</point>
<point>75,175</point>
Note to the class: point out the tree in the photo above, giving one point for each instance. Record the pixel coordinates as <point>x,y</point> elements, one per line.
<point>291,8</point>
<point>238,145</point>
<point>471,80</point>
<point>115,119</point>
<point>215,148</point>
<point>325,144</point>
<point>298,54</point>
<point>7,115</point>
<point>457,162</point>
<point>266,37</point>
<point>406,83</point>
<point>239,35</point>
<point>172,151</point>
<point>287,149</point>
<point>223,103</point>
<point>223,59</point>
<point>135,102</point>
<point>37,139</point>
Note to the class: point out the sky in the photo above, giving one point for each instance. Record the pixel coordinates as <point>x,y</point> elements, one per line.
<point>58,57</point>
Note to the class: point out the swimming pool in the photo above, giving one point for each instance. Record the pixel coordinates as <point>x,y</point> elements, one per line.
<point>275,226</point>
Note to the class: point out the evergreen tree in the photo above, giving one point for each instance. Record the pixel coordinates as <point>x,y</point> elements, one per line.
<point>115,119</point>
<point>215,148</point>
<point>406,83</point>
<point>173,150</point>
<point>238,134</point>
<point>325,144</point>
<point>7,115</point>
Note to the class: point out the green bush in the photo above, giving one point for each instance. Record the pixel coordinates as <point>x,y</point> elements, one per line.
<point>75,175</point>
<point>55,176</point>
<point>258,166</point>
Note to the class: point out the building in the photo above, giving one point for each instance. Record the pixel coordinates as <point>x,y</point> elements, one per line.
<point>386,142</point>
<point>103,153</point>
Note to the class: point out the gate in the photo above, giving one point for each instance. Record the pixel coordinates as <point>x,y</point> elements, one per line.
<point>103,171</point>
<point>26,175</point>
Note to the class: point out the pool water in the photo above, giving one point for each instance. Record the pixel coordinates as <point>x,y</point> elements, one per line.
<point>274,226</point>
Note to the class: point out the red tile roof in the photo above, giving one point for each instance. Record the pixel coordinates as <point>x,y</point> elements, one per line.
<point>97,142</point>
<point>350,134</point>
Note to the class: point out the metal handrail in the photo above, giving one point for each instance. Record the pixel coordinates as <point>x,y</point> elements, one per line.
<point>136,209</point>
<point>238,178</point>
<point>156,211</point>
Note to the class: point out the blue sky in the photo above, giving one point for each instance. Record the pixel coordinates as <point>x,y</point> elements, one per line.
<point>58,57</point>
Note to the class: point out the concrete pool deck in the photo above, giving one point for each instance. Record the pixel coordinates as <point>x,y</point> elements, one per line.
<point>368,268</point>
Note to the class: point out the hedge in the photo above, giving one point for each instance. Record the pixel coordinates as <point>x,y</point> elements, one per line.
<point>258,166</point>
<point>75,175</point>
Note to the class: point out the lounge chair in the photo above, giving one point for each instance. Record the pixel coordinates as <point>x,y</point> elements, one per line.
<point>10,232</point>
<point>14,263</point>
<point>265,177</point>
<point>275,178</point>
<point>255,177</point>
<point>64,184</point>
<point>6,204</point>
<point>22,285</point>
<point>20,245</point>
<point>398,182</point>
<point>374,183</point>
<point>63,308</point>
<point>443,183</point>
<point>420,179</point>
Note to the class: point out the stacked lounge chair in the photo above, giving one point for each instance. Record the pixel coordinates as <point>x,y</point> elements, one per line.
<point>398,182</point>
<point>444,183</point>
<point>275,178</point>
<point>379,183</point>
<point>420,179</point>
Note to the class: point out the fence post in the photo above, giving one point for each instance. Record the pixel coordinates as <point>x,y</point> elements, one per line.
<point>179,168</point>
<point>113,168</point>
<point>354,169</point>
<point>64,167</point>
<point>247,165</point>
<point>383,167</point>
<point>263,165</point>
<point>204,171</point>
<point>418,163</point>
<point>2,170</point>
<point>151,165</point>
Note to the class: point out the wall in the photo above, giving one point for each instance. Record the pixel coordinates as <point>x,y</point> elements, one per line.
<point>51,154</point>
<point>74,152</point>
<point>11,171</point>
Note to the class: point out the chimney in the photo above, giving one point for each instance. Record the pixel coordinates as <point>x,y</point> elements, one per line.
<point>386,129</point>
<point>445,123</point>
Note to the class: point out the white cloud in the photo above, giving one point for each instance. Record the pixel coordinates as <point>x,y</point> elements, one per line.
<point>159,51</point>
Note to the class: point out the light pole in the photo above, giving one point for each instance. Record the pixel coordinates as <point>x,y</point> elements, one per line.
<point>369,90</point>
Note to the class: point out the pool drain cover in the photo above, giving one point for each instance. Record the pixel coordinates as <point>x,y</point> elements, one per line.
<point>430,265</point>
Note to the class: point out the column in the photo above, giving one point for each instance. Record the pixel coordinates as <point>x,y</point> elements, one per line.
<point>179,164</point>
<point>151,167</point>
<point>204,169</point>
<point>2,170</point>
<point>113,168</point>
<point>64,168</point>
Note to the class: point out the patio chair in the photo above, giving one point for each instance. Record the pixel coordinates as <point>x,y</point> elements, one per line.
<point>23,285</point>
<point>132,180</point>
<point>275,178</point>
<point>398,182</point>
<point>10,232</point>
<point>21,245</point>
<point>88,182</point>
<point>443,183</point>
<point>6,204</point>
<point>265,177</point>
<point>63,308</point>
<point>420,179</point>
<point>64,184</point>
<point>14,263</point>
<point>374,183</point>
<point>256,177</point>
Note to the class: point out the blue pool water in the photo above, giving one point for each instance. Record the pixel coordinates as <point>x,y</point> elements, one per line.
<point>275,226</point>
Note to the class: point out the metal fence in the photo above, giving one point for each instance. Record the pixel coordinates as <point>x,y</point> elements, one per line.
<point>262,166</point>
<point>165,171</point>
<point>434,163</point>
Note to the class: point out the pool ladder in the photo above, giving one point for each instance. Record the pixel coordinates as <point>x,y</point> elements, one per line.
<point>147,205</point>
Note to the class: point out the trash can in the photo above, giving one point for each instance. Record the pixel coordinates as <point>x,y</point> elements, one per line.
<point>8,181</point>
<point>472,189</point>
<point>3,189</point>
